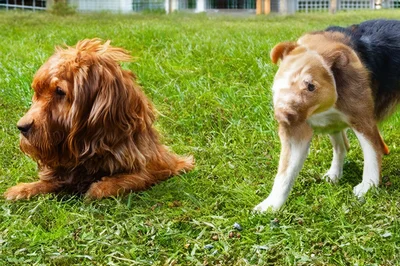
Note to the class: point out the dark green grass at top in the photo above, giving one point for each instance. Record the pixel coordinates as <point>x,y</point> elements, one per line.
<point>210,78</point>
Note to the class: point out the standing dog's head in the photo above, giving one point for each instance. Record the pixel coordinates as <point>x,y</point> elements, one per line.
<point>304,84</point>
<point>83,104</point>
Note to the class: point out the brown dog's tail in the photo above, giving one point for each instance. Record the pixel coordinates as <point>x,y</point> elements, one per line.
<point>185,164</point>
<point>167,164</point>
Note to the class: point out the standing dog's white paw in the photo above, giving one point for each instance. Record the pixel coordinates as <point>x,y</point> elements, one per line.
<point>362,188</point>
<point>269,203</point>
<point>333,176</point>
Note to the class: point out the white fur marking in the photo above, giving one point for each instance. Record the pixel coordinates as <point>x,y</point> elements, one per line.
<point>335,172</point>
<point>279,84</point>
<point>371,166</point>
<point>283,83</point>
<point>330,119</point>
<point>284,181</point>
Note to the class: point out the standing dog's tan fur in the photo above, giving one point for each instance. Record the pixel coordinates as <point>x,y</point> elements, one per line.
<point>322,85</point>
<point>90,127</point>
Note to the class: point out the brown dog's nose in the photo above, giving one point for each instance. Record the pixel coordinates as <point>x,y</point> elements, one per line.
<point>24,127</point>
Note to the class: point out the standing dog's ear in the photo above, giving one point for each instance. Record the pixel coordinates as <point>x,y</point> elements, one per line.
<point>281,50</point>
<point>339,57</point>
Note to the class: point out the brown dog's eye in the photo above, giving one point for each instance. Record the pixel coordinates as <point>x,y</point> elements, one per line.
<point>60,92</point>
<point>310,87</point>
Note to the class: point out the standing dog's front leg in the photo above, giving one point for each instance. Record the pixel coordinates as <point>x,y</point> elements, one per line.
<point>295,142</point>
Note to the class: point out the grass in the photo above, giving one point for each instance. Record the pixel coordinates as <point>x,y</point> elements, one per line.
<point>210,77</point>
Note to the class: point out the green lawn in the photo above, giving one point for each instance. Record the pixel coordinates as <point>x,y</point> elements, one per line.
<point>210,78</point>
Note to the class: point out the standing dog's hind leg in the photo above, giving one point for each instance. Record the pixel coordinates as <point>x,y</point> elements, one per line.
<point>372,146</point>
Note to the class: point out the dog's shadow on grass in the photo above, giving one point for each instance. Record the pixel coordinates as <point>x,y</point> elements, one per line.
<point>352,173</point>
<point>168,193</point>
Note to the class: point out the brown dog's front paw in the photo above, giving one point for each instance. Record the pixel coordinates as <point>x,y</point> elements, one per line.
<point>94,192</point>
<point>20,191</point>
<point>107,187</point>
<point>28,190</point>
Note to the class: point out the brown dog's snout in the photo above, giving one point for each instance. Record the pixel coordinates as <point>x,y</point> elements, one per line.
<point>24,126</point>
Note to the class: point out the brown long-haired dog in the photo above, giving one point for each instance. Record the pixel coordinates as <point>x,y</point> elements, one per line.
<point>90,127</point>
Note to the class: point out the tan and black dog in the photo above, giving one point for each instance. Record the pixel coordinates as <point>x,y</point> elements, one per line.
<point>329,81</point>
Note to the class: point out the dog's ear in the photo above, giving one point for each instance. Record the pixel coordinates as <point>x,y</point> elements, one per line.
<point>108,105</point>
<point>338,58</point>
<point>281,50</point>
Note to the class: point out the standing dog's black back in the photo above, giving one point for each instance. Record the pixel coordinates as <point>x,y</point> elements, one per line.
<point>377,43</point>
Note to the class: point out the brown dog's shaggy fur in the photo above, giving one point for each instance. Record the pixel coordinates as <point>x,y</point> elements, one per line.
<point>90,127</point>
